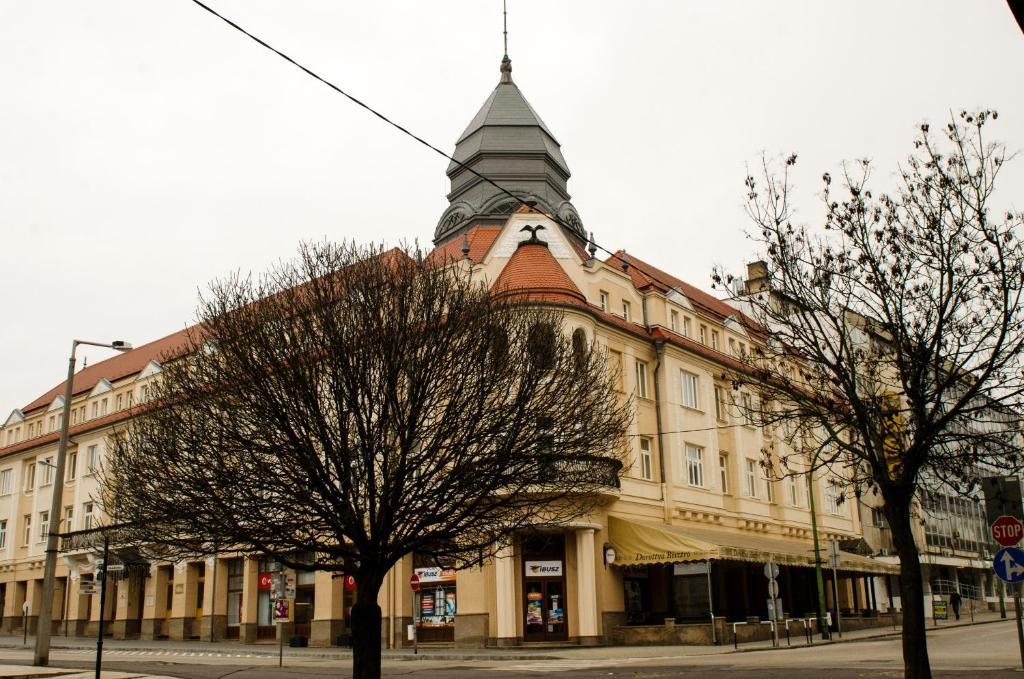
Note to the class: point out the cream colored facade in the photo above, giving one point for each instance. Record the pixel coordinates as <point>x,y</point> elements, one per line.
<point>691,465</point>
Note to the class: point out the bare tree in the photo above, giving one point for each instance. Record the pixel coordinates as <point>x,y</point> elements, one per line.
<point>358,405</point>
<point>891,342</point>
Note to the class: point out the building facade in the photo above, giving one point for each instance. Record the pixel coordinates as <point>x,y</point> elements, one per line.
<point>678,548</point>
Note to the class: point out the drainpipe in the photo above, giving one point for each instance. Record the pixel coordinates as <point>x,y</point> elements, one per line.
<point>659,352</point>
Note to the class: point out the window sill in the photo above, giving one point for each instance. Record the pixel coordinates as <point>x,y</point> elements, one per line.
<point>691,408</point>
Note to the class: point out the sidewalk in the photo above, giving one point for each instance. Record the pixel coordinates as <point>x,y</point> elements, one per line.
<point>115,649</point>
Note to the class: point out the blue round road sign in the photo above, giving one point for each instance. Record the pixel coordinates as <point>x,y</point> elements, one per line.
<point>1009,564</point>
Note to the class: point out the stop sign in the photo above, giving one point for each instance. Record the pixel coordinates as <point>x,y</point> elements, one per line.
<point>414,582</point>
<point>1007,530</point>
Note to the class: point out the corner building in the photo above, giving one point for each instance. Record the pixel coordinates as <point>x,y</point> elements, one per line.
<point>676,552</point>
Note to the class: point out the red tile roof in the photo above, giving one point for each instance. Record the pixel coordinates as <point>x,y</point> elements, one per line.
<point>481,238</point>
<point>534,272</point>
<point>660,280</point>
<point>115,368</point>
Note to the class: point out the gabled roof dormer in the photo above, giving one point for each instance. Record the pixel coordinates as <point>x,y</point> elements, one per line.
<point>102,387</point>
<point>152,368</point>
<point>56,404</point>
<point>16,417</point>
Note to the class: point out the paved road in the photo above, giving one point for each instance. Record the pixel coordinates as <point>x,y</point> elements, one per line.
<point>987,651</point>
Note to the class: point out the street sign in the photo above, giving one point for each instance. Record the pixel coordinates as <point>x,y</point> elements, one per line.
<point>88,589</point>
<point>1007,530</point>
<point>773,588</point>
<point>1009,564</point>
<point>115,567</point>
<point>771,570</point>
<point>940,611</point>
<point>414,582</point>
<point>1002,496</point>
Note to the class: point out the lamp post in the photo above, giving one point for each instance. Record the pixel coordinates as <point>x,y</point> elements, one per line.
<point>42,650</point>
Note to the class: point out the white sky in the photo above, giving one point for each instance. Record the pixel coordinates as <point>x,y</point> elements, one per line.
<point>146,147</point>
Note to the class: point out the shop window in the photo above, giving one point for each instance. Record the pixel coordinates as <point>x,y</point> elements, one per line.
<point>437,600</point>
<point>236,578</point>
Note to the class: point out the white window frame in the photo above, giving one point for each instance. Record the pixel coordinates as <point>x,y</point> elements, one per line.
<point>44,525</point>
<point>689,399</point>
<point>625,311</point>
<point>703,334</point>
<point>641,379</point>
<point>6,481</point>
<point>30,477</point>
<point>832,498</point>
<point>88,515</point>
<point>687,326</point>
<point>694,465</point>
<point>750,477</point>
<point>47,465</point>
<point>720,403</point>
<point>90,460</point>
<point>794,490</point>
<point>72,466</point>
<point>646,460</point>
<point>723,471</point>
<point>603,296</point>
<point>3,534</point>
<point>673,320</point>
<point>69,519</point>
<point>26,530</point>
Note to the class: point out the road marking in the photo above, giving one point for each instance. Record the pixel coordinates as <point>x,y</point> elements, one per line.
<point>563,665</point>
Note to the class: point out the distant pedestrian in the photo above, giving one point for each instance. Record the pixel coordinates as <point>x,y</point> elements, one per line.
<point>954,602</point>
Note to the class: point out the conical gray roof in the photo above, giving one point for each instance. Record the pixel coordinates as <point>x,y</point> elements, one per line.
<point>509,144</point>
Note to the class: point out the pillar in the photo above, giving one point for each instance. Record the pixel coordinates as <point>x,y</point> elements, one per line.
<point>34,596</point>
<point>14,597</point>
<point>328,616</point>
<point>78,607</point>
<point>154,607</point>
<point>184,602</point>
<point>215,601</point>
<point>248,624</point>
<point>586,588</point>
<point>471,617</point>
<point>505,591</point>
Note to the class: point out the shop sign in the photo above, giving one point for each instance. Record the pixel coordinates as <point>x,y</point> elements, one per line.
<point>544,569</point>
<point>700,568</point>
<point>265,580</point>
<point>435,574</point>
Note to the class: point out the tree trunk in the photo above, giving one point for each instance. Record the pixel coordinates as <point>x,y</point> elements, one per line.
<point>366,628</point>
<point>915,643</point>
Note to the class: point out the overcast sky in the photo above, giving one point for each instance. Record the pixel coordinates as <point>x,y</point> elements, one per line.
<point>146,147</point>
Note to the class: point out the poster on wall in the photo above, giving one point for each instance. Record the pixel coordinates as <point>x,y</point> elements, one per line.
<point>282,610</point>
<point>427,604</point>
<point>534,609</point>
<point>449,603</point>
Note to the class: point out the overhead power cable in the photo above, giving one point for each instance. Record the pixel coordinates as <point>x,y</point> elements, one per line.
<point>421,140</point>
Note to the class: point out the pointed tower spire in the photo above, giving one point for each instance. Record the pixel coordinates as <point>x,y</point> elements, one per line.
<point>506,63</point>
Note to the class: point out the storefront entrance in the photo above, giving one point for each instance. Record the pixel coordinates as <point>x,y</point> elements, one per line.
<point>544,603</point>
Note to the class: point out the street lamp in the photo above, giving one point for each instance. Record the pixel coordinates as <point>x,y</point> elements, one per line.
<point>42,651</point>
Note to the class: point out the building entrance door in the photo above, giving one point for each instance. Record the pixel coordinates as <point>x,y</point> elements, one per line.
<point>545,610</point>
<point>544,606</point>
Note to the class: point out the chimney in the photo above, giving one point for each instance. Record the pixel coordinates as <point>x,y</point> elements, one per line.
<point>757,277</point>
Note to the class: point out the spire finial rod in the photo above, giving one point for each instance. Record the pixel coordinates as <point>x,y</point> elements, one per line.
<point>504,23</point>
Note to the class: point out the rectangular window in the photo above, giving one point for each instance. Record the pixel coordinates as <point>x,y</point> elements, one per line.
<point>3,534</point>
<point>646,461</point>
<point>641,379</point>
<point>723,471</point>
<point>69,519</point>
<point>673,320</point>
<point>794,490</point>
<point>87,516</point>
<point>72,466</point>
<point>748,407</point>
<point>95,410</point>
<point>5,481</point>
<point>44,525</point>
<point>714,340</point>
<point>720,402</point>
<point>750,476</point>
<point>604,301</point>
<point>703,334</point>
<point>732,346</point>
<point>832,497</point>
<point>625,310</point>
<point>695,465</point>
<point>74,416</point>
<point>26,530</point>
<point>120,401</point>
<point>47,464</point>
<point>877,518</point>
<point>689,389</point>
<point>90,460</point>
<point>50,424</point>
<point>743,349</point>
<point>30,477</point>
<point>103,407</point>
<point>687,330</point>
<point>769,487</point>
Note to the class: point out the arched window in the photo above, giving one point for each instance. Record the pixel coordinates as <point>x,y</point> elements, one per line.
<point>540,345</point>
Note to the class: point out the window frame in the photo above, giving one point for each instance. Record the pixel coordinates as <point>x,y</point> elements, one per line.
<point>750,478</point>
<point>603,299</point>
<point>684,376</point>
<point>723,471</point>
<point>694,465</point>
<point>646,459</point>
<point>641,379</point>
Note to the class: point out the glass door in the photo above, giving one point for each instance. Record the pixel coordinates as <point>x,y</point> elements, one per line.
<point>545,611</point>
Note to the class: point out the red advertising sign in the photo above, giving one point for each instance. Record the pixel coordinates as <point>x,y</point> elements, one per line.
<point>350,583</point>
<point>266,580</point>
<point>1007,530</point>
<point>414,582</point>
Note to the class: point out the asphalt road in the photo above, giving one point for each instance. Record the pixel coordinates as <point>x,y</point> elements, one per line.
<point>988,651</point>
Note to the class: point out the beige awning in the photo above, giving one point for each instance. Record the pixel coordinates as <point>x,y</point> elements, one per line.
<point>639,542</point>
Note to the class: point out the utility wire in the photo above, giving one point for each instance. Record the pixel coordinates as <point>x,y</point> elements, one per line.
<point>419,139</point>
